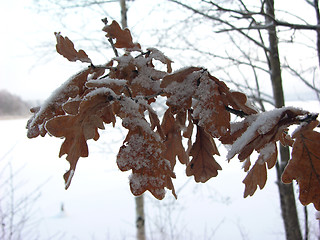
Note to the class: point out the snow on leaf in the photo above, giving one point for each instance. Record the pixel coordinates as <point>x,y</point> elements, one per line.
<point>304,165</point>
<point>123,36</point>
<point>65,47</point>
<point>146,82</point>
<point>268,154</point>
<point>142,152</point>
<point>77,129</point>
<point>178,76</point>
<point>209,110</point>
<point>125,69</point>
<point>53,105</point>
<point>264,128</point>
<point>180,86</point>
<point>261,134</point>
<point>117,85</point>
<point>257,176</point>
<point>203,166</point>
<point>158,55</point>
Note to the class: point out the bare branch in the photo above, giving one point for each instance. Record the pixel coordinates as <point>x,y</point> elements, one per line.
<point>296,73</point>
<point>221,21</point>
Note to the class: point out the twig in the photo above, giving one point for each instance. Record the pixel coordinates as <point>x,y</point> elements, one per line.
<point>239,113</point>
<point>113,47</point>
<point>306,223</point>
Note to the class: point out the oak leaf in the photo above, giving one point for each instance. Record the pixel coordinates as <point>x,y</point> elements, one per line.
<point>65,47</point>
<point>209,110</point>
<point>203,165</point>
<point>304,165</point>
<point>263,128</point>
<point>142,152</point>
<point>180,86</point>
<point>173,139</point>
<point>77,129</point>
<point>53,106</point>
<point>158,55</point>
<point>117,85</point>
<point>236,100</point>
<point>123,36</point>
<point>257,176</point>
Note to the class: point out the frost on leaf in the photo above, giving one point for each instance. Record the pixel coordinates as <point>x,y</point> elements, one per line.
<point>209,109</point>
<point>203,166</point>
<point>142,152</point>
<point>180,86</point>
<point>53,105</point>
<point>262,131</point>
<point>77,129</point>
<point>65,47</point>
<point>304,165</point>
<point>158,55</point>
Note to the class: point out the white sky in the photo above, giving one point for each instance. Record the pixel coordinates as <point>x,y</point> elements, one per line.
<point>22,31</point>
<point>25,69</point>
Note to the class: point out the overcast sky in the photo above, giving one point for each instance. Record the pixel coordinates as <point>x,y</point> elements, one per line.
<point>22,30</point>
<point>28,69</point>
<point>33,72</point>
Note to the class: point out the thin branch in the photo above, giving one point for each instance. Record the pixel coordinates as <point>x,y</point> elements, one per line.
<point>306,223</point>
<point>275,23</point>
<point>221,21</point>
<point>113,47</point>
<point>317,90</point>
<point>238,113</point>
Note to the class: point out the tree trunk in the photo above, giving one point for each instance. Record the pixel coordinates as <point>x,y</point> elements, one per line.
<point>316,8</point>
<point>139,200</point>
<point>287,198</point>
<point>124,22</point>
<point>140,219</point>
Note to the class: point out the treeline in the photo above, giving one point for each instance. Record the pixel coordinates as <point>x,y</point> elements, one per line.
<point>12,105</point>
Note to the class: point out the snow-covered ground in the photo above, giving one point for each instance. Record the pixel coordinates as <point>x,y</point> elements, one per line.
<point>99,204</point>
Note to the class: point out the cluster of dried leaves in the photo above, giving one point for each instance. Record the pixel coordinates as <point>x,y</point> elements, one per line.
<point>126,86</point>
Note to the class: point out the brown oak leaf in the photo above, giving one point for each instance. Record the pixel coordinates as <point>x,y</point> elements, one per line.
<point>203,165</point>
<point>262,129</point>
<point>257,176</point>
<point>304,165</point>
<point>158,55</point>
<point>236,100</point>
<point>65,47</point>
<point>178,76</point>
<point>209,110</point>
<point>173,139</point>
<point>142,152</point>
<point>116,85</point>
<point>180,86</point>
<point>123,36</point>
<point>77,129</point>
<point>53,106</point>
